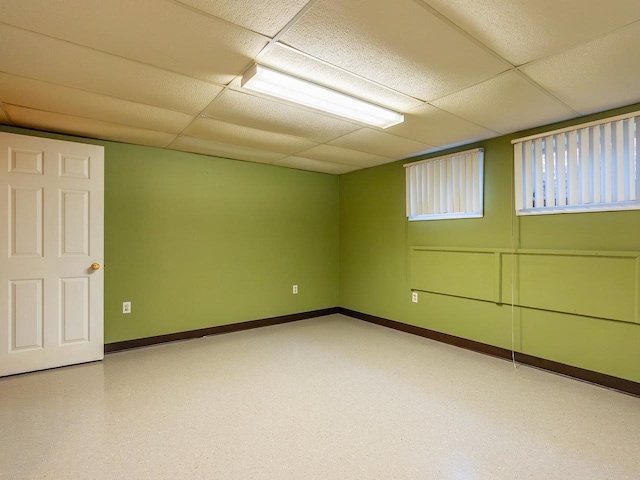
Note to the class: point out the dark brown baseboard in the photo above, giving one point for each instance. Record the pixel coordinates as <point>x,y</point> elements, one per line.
<point>203,332</point>
<point>626,386</point>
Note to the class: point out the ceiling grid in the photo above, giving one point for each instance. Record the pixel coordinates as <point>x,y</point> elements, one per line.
<point>167,73</point>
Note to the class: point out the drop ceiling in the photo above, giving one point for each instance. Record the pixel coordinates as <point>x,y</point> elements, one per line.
<point>167,73</point>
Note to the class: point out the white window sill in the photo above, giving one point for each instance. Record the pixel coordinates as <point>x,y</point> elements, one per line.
<point>607,207</point>
<point>445,216</point>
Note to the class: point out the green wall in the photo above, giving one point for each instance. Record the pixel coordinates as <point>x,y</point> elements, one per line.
<point>195,241</point>
<point>376,263</point>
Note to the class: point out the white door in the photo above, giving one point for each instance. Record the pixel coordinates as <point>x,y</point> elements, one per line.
<point>52,222</point>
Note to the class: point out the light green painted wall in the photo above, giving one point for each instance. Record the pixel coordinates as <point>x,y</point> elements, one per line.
<point>375,263</point>
<point>195,241</point>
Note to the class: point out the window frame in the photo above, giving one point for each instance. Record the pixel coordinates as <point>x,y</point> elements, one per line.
<point>583,175</point>
<point>472,192</point>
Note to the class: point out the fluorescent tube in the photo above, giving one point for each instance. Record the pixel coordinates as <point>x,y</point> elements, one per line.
<point>277,84</point>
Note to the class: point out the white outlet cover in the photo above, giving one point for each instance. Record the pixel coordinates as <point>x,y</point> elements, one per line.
<point>126,307</point>
<point>414,297</point>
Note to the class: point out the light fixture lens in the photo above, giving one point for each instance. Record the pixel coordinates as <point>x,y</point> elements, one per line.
<point>277,84</point>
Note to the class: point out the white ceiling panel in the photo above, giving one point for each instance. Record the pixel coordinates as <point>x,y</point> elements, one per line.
<point>433,126</point>
<point>167,72</point>
<point>267,17</point>
<point>44,58</point>
<point>398,44</point>
<point>223,132</point>
<point>380,143</point>
<point>224,150</point>
<point>505,104</point>
<point>25,92</point>
<point>522,31</point>
<point>286,59</point>
<point>315,165</point>
<point>3,115</point>
<point>596,76</point>
<point>329,153</point>
<point>257,112</point>
<point>56,122</point>
<point>163,34</point>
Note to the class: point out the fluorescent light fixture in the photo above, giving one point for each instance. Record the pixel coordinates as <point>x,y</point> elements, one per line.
<point>277,84</point>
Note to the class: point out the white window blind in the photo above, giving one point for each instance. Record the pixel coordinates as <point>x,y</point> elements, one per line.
<point>446,187</point>
<point>591,167</point>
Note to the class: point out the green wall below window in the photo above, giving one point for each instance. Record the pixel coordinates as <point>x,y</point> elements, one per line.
<point>376,265</point>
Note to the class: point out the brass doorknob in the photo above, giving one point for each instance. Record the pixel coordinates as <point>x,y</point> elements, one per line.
<point>95,266</point>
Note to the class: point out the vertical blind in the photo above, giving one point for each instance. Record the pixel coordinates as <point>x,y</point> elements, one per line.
<point>589,167</point>
<point>446,187</point>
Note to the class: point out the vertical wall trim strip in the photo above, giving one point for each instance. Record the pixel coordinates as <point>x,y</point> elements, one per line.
<point>498,277</point>
<point>637,290</point>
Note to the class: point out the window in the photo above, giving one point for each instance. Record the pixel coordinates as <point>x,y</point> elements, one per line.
<point>591,167</point>
<point>446,187</point>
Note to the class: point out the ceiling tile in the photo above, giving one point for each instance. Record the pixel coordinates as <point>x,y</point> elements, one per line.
<point>286,59</point>
<point>3,116</point>
<point>56,61</point>
<point>380,143</point>
<point>257,112</point>
<point>329,153</point>
<point>84,127</point>
<point>224,150</point>
<point>267,16</point>
<point>163,34</point>
<point>230,133</point>
<point>433,126</point>
<point>398,44</point>
<point>315,165</point>
<point>524,31</point>
<point>70,101</point>
<point>505,104</point>
<point>596,76</point>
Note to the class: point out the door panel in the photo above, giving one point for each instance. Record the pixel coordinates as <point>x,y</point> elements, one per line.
<point>74,222</point>
<point>74,309</point>
<point>74,166</point>
<point>51,212</point>
<point>26,314</point>
<point>25,161</point>
<point>25,226</point>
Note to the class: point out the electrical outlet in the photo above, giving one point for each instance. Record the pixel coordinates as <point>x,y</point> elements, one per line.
<point>126,307</point>
<point>295,289</point>
<point>414,297</point>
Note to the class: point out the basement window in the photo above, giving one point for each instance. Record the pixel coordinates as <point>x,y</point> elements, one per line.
<point>587,168</point>
<point>446,187</point>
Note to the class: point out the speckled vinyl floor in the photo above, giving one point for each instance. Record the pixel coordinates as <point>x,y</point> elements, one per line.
<point>326,398</point>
